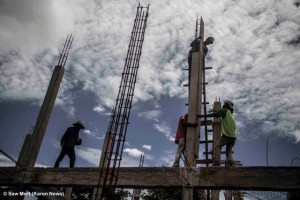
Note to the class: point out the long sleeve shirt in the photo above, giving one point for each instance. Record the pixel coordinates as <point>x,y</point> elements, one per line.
<point>228,124</point>
<point>70,138</point>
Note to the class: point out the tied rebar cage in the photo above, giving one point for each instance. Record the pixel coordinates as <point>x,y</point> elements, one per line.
<point>65,52</point>
<point>116,132</point>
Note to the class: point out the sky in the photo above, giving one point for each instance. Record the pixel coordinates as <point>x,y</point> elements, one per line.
<point>255,59</point>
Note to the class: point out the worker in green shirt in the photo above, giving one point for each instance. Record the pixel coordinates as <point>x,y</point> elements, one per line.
<point>228,129</point>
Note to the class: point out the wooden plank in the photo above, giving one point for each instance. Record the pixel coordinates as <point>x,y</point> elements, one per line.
<point>195,102</point>
<point>214,178</point>
<point>191,136</point>
<point>216,127</point>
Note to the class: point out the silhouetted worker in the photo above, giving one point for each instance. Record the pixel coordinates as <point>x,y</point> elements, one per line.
<point>68,142</point>
<point>180,137</point>
<point>195,44</point>
<point>228,129</point>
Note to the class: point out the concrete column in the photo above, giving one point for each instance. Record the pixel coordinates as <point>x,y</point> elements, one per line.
<point>43,118</point>
<point>22,159</point>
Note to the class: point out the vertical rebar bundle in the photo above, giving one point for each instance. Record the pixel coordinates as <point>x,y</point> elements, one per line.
<point>116,133</point>
<point>65,52</point>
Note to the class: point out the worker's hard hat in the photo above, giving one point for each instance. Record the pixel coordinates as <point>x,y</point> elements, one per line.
<point>210,39</point>
<point>79,123</point>
<point>230,104</point>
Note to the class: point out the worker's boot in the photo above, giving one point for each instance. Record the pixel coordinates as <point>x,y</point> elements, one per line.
<point>229,160</point>
<point>216,162</point>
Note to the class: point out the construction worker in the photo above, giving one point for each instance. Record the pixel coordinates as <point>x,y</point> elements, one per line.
<point>195,48</point>
<point>180,137</point>
<point>228,129</point>
<point>68,142</point>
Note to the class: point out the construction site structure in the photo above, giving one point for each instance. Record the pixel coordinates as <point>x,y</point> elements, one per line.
<point>32,142</point>
<point>198,105</point>
<point>194,107</point>
<point>191,177</point>
<point>116,133</point>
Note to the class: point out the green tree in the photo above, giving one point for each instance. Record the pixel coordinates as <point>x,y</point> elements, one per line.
<point>166,194</point>
<point>83,193</point>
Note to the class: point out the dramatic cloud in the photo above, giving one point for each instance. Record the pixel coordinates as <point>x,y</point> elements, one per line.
<point>93,134</point>
<point>147,147</point>
<point>90,155</point>
<point>6,162</point>
<point>167,159</point>
<point>135,153</point>
<point>99,109</point>
<point>152,114</point>
<point>255,56</point>
<point>165,129</point>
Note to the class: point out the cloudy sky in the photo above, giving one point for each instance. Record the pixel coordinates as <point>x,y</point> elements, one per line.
<point>255,60</point>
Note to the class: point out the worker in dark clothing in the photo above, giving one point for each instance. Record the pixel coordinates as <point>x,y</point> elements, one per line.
<point>68,142</point>
<point>228,129</point>
<point>195,44</point>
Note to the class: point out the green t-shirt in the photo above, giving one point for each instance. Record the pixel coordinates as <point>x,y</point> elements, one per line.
<point>228,127</point>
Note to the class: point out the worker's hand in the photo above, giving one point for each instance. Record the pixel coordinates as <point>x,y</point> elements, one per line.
<point>79,141</point>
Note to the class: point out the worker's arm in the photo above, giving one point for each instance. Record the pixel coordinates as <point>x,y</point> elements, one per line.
<point>220,113</point>
<point>194,41</point>
<point>63,139</point>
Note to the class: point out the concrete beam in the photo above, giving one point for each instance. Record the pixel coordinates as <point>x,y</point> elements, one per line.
<point>214,178</point>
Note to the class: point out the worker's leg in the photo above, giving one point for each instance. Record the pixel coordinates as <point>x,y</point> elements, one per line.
<point>60,157</point>
<point>229,156</point>
<point>217,150</point>
<point>71,154</point>
<point>180,149</point>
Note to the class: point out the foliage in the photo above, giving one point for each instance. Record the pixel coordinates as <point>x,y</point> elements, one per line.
<point>166,194</point>
<point>81,193</point>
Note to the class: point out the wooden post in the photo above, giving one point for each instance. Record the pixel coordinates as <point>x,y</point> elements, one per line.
<point>228,195</point>
<point>68,193</point>
<point>195,99</point>
<point>216,127</point>
<point>215,194</point>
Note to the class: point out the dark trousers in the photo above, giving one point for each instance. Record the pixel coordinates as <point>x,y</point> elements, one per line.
<point>66,151</point>
<point>229,142</point>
